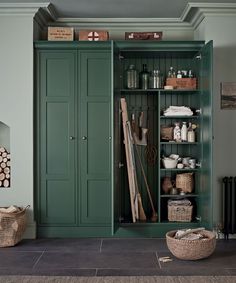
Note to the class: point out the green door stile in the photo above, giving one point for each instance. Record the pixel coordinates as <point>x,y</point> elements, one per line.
<point>205,201</point>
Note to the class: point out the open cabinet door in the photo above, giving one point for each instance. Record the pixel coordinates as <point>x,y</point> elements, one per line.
<point>116,197</point>
<point>205,81</point>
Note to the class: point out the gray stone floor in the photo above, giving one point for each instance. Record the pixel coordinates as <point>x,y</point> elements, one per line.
<point>110,257</point>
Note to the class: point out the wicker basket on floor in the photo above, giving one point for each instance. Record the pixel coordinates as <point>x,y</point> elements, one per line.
<point>12,227</point>
<point>191,249</point>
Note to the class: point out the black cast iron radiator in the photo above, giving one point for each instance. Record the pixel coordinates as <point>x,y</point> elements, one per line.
<point>229,209</point>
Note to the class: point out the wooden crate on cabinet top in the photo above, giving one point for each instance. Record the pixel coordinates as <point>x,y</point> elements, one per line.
<point>93,35</point>
<point>60,34</point>
<point>182,83</point>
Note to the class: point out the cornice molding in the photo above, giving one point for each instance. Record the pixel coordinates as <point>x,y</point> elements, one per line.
<point>194,12</point>
<point>119,23</point>
<point>45,15</point>
<point>20,9</point>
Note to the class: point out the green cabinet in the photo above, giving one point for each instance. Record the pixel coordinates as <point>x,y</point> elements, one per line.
<point>73,139</point>
<point>81,175</point>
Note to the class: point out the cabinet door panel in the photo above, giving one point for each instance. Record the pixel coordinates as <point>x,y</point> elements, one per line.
<point>95,149</point>
<point>95,82</point>
<point>98,148</point>
<point>57,142</point>
<point>57,162</point>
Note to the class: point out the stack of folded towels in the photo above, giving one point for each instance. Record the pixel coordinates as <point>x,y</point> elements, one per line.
<point>178,111</point>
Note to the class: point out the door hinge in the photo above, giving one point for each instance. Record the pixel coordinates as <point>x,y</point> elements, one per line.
<point>199,111</point>
<point>121,57</point>
<point>199,218</point>
<point>199,164</point>
<point>199,57</point>
<point>120,165</point>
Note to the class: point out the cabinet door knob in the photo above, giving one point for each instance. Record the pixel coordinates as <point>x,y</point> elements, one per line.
<point>72,138</point>
<point>84,138</point>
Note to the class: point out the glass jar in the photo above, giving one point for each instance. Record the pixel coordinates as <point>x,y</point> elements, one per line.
<point>132,78</point>
<point>156,79</point>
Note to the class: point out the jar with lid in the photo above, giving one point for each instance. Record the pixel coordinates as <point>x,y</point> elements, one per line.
<point>144,77</point>
<point>132,81</point>
<point>156,79</point>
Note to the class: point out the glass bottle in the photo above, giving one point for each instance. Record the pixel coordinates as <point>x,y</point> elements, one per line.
<point>132,77</point>
<point>179,75</point>
<point>184,132</point>
<point>177,132</point>
<point>191,133</point>
<point>144,77</point>
<point>171,73</point>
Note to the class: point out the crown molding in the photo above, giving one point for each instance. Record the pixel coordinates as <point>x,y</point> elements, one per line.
<point>119,23</point>
<point>45,15</point>
<point>194,12</point>
<point>21,9</point>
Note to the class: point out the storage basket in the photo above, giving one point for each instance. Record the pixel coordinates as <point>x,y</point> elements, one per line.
<point>12,227</point>
<point>184,182</point>
<point>166,132</point>
<point>191,249</point>
<point>180,213</point>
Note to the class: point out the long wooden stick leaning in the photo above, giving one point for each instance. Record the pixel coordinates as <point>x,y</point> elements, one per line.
<point>127,153</point>
<point>142,215</point>
<point>135,197</point>
<point>154,214</point>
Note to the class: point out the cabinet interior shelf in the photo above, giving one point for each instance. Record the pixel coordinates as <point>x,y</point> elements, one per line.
<point>179,196</point>
<point>177,169</point>
<point>162,91</point>
<point>179,143</point>
<point>180,117</point>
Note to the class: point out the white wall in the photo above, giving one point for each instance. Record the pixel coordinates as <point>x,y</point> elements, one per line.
<point>222,30</point>
<point>16,96</point>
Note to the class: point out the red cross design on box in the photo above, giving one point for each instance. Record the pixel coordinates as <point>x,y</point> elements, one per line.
<point>93,36</point>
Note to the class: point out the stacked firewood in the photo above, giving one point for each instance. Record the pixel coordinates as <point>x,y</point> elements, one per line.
<point>4,168</point>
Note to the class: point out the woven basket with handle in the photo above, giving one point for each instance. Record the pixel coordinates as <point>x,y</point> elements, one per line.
<point>191,249</point>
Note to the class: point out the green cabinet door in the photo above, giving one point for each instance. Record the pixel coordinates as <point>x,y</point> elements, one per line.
<point>205,79</point>
<point>95,137</point>
<point>56,146</point>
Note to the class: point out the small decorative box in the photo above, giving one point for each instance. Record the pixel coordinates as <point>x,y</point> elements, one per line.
<point>60,34</point>
<point>95,35</point>
<point>143,35</point>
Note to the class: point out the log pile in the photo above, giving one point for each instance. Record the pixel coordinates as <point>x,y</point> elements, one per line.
<point>5,172</point>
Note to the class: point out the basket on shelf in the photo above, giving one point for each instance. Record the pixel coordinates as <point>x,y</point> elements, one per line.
<point>191,249</point>
<point>12,227</point>
<point>184,182</point>
<point>166,132</point>
<point>181,213</point>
